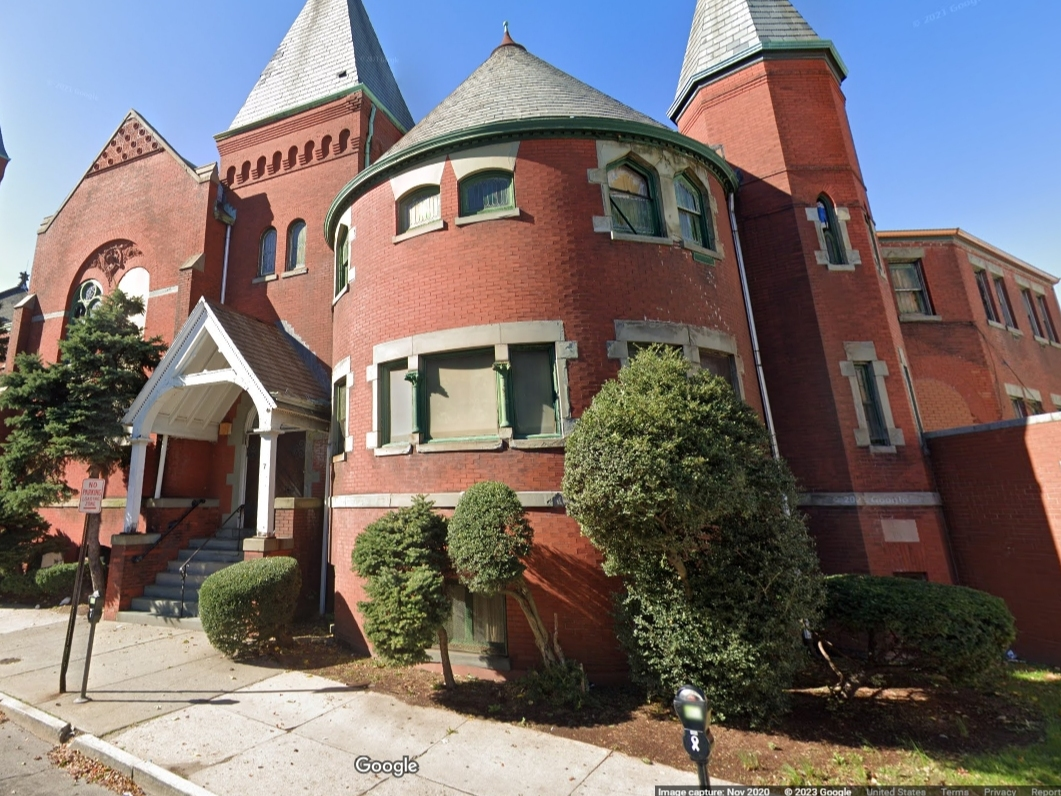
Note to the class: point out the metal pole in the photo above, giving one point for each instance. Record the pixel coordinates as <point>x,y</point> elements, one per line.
<point>88,662</point>
<point>74,600</point>
<point>705,780</point>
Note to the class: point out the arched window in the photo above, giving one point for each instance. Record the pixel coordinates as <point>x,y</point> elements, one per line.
<point>342,259</point>
<point>486,192</point>
<point>88,297</point>
<point>418,208</point>
<point>831,230</point>
<point>695,213</point>
<point>296,245</point>
<point>633,200</point>
<point>267,253</point>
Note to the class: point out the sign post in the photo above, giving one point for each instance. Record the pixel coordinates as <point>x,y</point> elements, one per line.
<point>91,502</point>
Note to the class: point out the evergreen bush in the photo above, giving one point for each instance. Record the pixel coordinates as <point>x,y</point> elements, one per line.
<point>244,606</point>
<point>56,582</point>
<point>955,631</point>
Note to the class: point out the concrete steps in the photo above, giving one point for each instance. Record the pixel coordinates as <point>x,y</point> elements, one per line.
<point>161,602</point>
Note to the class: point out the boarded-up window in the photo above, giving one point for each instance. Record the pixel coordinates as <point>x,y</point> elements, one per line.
<point>461,395</point>
<point>533,391</point>
<point>722,365</point>
<point>477,622</point>
<point>397,400</point>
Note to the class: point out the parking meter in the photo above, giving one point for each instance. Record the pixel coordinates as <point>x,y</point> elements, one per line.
<point>95,613</point>
<point>691,706</point>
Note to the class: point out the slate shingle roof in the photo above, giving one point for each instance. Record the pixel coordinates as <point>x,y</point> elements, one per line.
<point>723,31</point>
<point>274,357</point>
<point>331,47</point>
<point>514,85</point>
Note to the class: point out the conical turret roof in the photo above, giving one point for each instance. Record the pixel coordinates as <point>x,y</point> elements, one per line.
<point>726,33</point>
<point>513,85</point>
<point>331,48</point>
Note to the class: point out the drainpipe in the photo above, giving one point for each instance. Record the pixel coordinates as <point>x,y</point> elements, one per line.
<point>226,214</point>
<point>371,135</point>
<point>326,540</point>
<point>768,415</point>
<point>161,465</point>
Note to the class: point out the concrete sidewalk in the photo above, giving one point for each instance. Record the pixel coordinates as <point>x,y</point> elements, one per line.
<point>165,696</point>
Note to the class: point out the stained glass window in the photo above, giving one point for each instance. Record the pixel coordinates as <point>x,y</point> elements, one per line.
<point>419,208</point>
<point>89,296</point>
<point>486,193</point>
<point>267,253</point>
<point>633,205</point>
<point>296,245</point>
<point>831,231</point>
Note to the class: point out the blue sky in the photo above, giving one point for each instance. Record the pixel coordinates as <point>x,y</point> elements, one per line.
<point>955,106</point>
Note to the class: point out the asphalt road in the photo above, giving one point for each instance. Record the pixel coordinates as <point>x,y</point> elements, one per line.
<point>26,771</point>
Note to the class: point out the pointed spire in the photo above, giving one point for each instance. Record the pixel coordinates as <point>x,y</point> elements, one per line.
<point>331,48</point>
<point>508,41</point>
<point>3,152</point>
<point>726,34</point>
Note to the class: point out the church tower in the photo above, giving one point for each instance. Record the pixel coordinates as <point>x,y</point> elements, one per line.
<point>325,107</point>
<point>758,81</point>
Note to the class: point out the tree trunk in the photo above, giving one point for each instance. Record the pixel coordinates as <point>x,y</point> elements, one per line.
<point>443,653</point>
<point>549,648</point>
<point>683,575</point>
<point>95,566</point>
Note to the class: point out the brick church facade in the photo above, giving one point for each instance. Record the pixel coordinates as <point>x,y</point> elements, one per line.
<point>361,309</point>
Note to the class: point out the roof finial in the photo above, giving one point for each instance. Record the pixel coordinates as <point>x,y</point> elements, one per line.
<point>507,40</point>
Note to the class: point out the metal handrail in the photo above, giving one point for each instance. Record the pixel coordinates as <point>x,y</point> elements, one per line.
<point>184,567</point>
<point>169,529</point>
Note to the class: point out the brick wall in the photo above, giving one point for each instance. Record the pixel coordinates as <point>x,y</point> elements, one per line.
<point>1002,496</point>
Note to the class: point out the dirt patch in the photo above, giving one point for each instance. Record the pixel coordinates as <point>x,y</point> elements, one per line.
<point>878,736</point>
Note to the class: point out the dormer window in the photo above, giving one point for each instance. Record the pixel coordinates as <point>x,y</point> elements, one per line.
<point>694,212</point>
<point>633,203</point>
<point>487,192</point>
<point>831,230</point>
<point>419,208</point>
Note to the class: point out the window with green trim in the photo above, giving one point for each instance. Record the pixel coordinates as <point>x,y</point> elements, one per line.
<point>419,208</point>
<point>533,392</point>
<point>487,192</point>
<point>633,202</point>
<point>871,404</point>
<point>396,400</point>
<point>342,259</point>
<point>831,230</point>
<point>267,253</point>
<point>695,213</point>
<point>296,245</point>
<point>89,295</point>
<point>477,622</point>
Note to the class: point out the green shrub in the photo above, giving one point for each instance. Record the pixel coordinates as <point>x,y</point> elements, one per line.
<point>489,536</point>
<point>245,605</point>
<point>563,685</point>
<point>56,582</point>
<point>955,631</point>
<point>402,556</point>
<point>19,586</point>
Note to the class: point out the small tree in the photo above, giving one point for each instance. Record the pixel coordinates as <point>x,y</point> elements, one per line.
<point>71,411</point>
<point>489,541</point>
<point>402,556</point>
<point>670,476</point>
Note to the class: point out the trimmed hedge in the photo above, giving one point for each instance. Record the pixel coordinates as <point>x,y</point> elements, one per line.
<point>955,631</point>
<point>244,606</point>
<point>58,581</point>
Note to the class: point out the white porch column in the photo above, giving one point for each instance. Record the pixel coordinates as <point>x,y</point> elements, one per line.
<point>135,492</point>
<point>267,482</point>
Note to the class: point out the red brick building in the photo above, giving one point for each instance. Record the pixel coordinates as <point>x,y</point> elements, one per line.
<point>480,277</point>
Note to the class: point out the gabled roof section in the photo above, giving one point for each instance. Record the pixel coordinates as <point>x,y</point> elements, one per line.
<point>134,138</point>
<point>330,49</point>
<point>217,354</point>
<point>513,85</point>
<point>726,33</point>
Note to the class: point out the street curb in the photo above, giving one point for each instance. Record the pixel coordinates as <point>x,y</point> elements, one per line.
<point>46,727</point>
<point>152,778</point>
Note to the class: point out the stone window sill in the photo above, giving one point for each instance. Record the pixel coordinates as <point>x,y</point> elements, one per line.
<point>394,450</point>
<point>295,272</point>
<point>511,212</point>
<point>1041,340</point>
<point>916,317</point>
<point>840,266</point>
<point>995,324</point>
<point>1055,345</point>
<point>423,229</point>
<point>460,445</point>
<point>261,279</point>
<point>703,251</point>
<point>883,449</point>
<point>339,457</point>
<point>1015,331</point>
<point>628,236</point>
<point>538,443</point>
